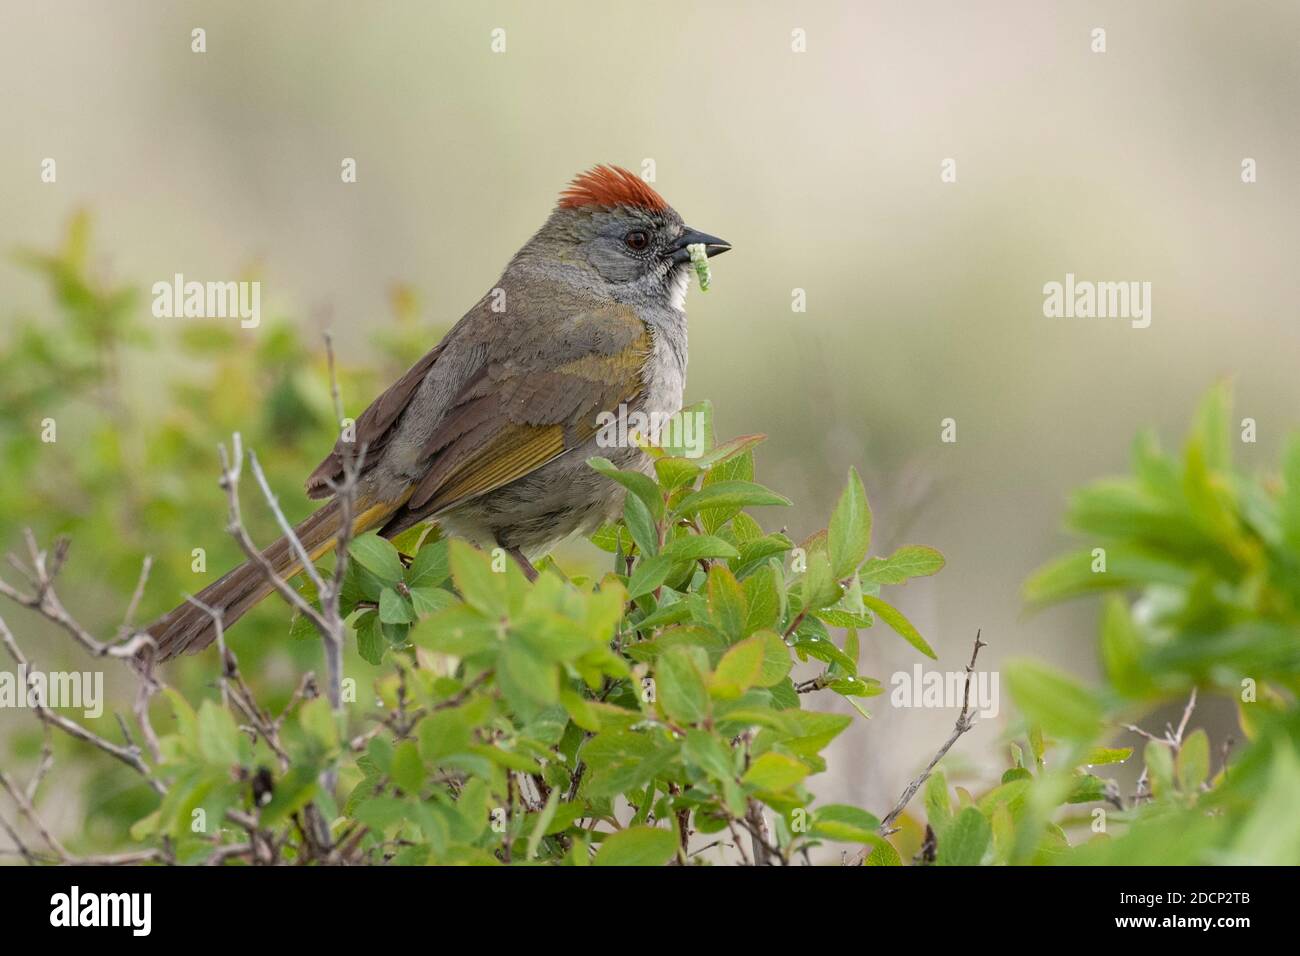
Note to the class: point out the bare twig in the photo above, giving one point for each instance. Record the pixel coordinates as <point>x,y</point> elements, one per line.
<point>43,764</point>
<point>1173,738</point>
<point>29,812</point>
<point>149,686</point>
<point>308,565</point>
<point>128,755</point>
<point>345,493</point>
<point>126,629</point>
<point>44,568</point>
<point>1177,738</point>
<point>965,721</point>
<point>20,846</point>
<point>231,466</point>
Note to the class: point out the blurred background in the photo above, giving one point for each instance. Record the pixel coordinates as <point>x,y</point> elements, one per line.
<point>822,167</point>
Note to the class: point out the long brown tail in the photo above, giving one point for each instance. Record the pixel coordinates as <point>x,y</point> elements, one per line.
<point>188,628</point>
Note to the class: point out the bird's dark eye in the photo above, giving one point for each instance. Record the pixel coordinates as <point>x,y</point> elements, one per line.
<point>636,240</point>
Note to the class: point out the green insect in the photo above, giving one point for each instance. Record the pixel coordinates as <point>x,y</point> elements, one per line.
<point>700,259</point>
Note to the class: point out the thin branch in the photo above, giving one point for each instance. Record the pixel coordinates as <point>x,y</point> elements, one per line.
<point>20,847</point>
<point>43,764</point>
<point>128,755</point>
<point>965,721</point>
<point>127,628</point>
<point>1177,738</point>
<point>29,812</point>
<point>230,472</point>
<point>44,568</point>
<point>149,686</point>
<point>286,528</point>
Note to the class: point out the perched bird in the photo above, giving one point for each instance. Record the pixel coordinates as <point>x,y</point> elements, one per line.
<point>488,434</point>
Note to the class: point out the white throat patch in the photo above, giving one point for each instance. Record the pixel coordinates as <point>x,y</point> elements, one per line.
<point>681,281</point>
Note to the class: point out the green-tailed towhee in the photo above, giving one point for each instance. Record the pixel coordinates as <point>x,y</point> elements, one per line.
<point>488,434</point>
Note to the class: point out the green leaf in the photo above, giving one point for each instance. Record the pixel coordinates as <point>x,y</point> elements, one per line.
<point>1063,707</point>
<point>729,494</point>
<point>694,547</point>
<point>819,588</point>
<point>649,574</point>
<point>443,733</point>
<point>884,854</point>
<point>762,600</point>
<point>408,768</point>
<point>1099,756</point>
<point>774,772</point>
<point>909,561</point>
<point>674,472</point>
<point>708,753</point>
<point>776,659</point>
<point>1087,788</point>
<point>901,625</point>
<point>679,685</point>
<point>316,718</point>
<point>729,449</point>
<point>1072,575</point>
<point>370,638</point>
<point>641,525</point>
<point>637,846</point>
<point>1036,745</point>
<point>845,823</point>
<point>938,805</point>
<point>1122,649</point>
<point>459,630</point>
<point>218,735</point>
<point>395,609</point>
<point>543,822</point>
<point>378,556</point>
<point>620,761</point>
<point>1193,764</point>
<point>1270,836</point>
<point>478,584</point>
<point>530,673</point>
<point>1160,767</point>
<point>726,599</point>
<point>822,648</point>
<point>833,617</point>
<point>1210,428</point>
<point>755,552</point>
<point>609,538</point>
<point>428,601</point>
<point>740,668</point>
<point>693,425</point>
<point>849,533</point>
<point>408,541</point>
<point>641,485</point>
<point>431,566</point>
<point>965,840</point>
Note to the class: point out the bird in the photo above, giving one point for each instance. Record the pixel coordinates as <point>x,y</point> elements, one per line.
<point>489,433</point>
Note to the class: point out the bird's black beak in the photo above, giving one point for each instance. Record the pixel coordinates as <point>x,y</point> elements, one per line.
<point>713,246</point>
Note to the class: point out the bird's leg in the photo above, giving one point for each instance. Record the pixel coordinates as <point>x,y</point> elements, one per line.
<point>525,565</point>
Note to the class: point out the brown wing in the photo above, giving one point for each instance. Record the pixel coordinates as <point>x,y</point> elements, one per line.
<point>373,429</point>
<point>522,410</point>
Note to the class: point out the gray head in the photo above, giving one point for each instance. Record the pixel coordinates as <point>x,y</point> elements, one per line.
<point>611,231</point>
